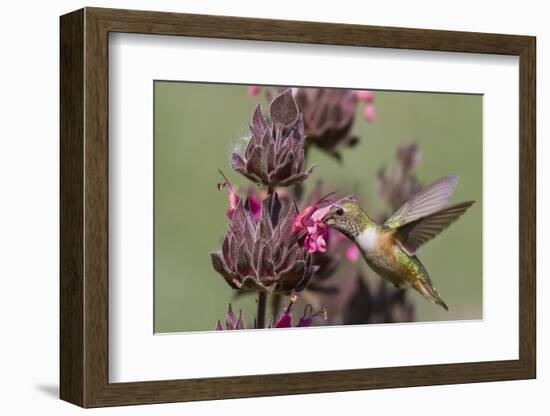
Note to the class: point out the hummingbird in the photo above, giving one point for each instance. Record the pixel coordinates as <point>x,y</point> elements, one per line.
<point>390,248</point>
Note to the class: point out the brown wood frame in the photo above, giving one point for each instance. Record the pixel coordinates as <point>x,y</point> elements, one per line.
<point>84,207</point>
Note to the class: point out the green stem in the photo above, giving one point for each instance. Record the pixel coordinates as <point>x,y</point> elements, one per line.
<point>260,316</point>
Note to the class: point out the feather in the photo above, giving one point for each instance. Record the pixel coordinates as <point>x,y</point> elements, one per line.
<point>428,200</point>
<point>426,289</point>
<point>413,235</point>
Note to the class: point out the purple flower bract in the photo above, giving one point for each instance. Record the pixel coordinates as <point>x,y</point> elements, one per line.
<point>274,155</point>
<point>265,255</point>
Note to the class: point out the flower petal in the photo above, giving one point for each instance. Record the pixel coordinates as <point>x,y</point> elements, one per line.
<point>320,213</point>
<point>239,165</point>
<point>250,283</point>
<point>254,206</point>
<point>285,321</point>
<point>284,170</point>
<point>253,90</point>
<point>283,109</point>
<point>370,113</point>
<point>230,319</point>
<point>244,261</point>
<point>294,179</point>
<point>258,124</point>
<point>289,279</point>
<point>321,243</point>
<point>237,161</point>
<point>352,253</point>
<point>255,163</point>
<point>221,268</point>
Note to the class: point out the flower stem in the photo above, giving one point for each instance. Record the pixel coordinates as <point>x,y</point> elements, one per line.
<point>260,316</point>
<point>270,192</point>
<point>262,296</point>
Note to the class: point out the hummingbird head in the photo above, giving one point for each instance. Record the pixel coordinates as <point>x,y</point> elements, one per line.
<point>347,217</point>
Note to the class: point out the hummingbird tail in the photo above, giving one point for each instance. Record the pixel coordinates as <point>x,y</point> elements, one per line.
<point>429,293</point>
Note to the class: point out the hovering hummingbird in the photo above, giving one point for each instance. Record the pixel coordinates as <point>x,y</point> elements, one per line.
<point>390,248</point>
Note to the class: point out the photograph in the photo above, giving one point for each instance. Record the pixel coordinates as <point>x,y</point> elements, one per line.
<point>358,197</point>
<point>304,206</point>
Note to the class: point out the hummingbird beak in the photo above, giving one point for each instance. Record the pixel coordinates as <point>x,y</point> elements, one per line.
<point>328,218</point>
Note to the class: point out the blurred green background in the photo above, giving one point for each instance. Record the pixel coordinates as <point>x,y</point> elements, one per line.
<point>197,125</point>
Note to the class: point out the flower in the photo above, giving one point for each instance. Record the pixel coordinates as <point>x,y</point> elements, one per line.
<point>274,155</point>
<point>369,113</point>
<point>310,222</point>
<point>253,203</point>
<point>263,256</point>
<point>253,90</point>
<point>236,322</point>
<point>232,322</point>
<point>352,253</point>
<point>365,96</point>
<point>328,114</point>
<point>329,260</point>
<point>400,184</point>
<point>285,320</point>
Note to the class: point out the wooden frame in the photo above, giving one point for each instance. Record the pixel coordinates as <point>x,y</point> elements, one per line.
<point>84,207</point>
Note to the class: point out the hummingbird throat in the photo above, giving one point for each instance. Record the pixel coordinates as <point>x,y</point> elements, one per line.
<point>368,239</point>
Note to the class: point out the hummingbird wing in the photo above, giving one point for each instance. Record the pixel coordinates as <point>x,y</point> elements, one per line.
<point>428,200</point>
<point>416,233</point>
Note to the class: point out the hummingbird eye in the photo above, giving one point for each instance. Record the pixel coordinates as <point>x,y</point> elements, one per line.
<point>339,211</point>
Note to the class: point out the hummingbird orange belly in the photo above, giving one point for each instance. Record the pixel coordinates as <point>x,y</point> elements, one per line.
<point>388,260</point>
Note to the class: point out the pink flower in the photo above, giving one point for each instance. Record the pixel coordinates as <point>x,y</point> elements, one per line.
<point>234,199</point>
<point>285,321</point>
<point>310,222</point>
<point>352,253</point>
<point>253,90</point>
<point>254,203</point>
<point>232,321</point>
<point>369,113</point>
<point>365,96</point>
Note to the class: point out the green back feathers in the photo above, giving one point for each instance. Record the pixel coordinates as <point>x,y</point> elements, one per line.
<point>356,220</point>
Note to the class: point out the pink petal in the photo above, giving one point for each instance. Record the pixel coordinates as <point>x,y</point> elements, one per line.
<point>301,220</point>
<point>352,253</point>
<point>369,113</point>
<point>253,90</point>
<point>321,244</point>
<point>310,220</point>
<point>255,206</point>
<point>234,199</point>
<point>319,214</point>
<point>284,322</point>
<point>365,96</point>
<point>229,213</point>
<point>309,245</point>
<point>311,228</point>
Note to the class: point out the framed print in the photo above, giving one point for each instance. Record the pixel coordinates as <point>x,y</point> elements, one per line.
<point>258,207</point>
